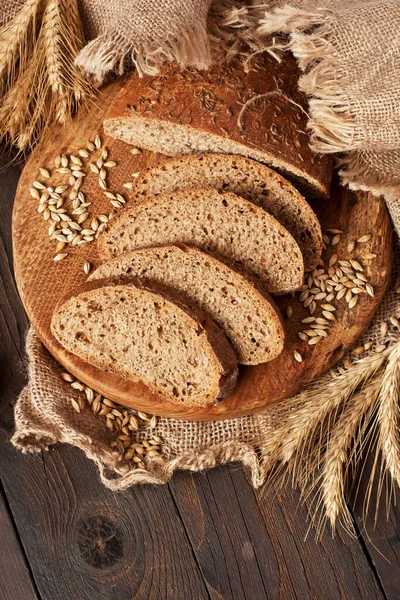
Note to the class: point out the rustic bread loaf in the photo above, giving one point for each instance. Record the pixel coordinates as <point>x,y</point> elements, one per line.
<point>136,331</point>
<point>216,221</point>
<point>248,179</point>
<point>243,313</point>
<point>260,114</point>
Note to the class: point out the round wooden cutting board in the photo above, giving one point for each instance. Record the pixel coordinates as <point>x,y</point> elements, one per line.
<point>42,281</point>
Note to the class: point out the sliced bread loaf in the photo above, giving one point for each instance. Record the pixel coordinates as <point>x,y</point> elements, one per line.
<point>248,179</point>
<point>216,221</point>
<point>137,332</point>
<point>259,113</point>
<point>246,316</point>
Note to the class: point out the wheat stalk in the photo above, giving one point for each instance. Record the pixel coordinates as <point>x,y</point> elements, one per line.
<point>16,41</point>
<point>311,411</point>
<point>388,415</point>
<point>337,451</point>
<point>48,85</point>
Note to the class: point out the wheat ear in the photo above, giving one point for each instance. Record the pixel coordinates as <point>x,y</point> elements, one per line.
<point>388,415</point>
<point>49,86</point>
<point>337,451</point>
<point>302,423</point>
<point>17,38</point>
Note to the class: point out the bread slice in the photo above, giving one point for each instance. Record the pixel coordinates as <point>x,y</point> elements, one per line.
<point>216,221</point>
<point>243,313</point>
<point>248,179</point>
<point>136,331</point>
<point>259,113</point>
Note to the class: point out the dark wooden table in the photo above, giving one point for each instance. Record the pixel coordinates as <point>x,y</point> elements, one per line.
<point>63,536</point>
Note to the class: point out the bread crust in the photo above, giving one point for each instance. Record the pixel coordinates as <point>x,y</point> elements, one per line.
<point>261,110</point>
<point>225,355</point>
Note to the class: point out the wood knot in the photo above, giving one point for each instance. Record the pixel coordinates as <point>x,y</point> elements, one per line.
<point>100,542</point>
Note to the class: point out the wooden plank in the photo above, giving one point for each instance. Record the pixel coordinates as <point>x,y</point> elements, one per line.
<point>15,580</point>
<point>256,546</point>
<point>83,541</point>
<point>379,529</point>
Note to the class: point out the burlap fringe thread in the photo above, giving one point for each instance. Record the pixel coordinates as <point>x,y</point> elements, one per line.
<point>371,160</point>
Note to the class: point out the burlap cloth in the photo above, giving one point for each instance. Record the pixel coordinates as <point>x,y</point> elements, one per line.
<point>350,52</point>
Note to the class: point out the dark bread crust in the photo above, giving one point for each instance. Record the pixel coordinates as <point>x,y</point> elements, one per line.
<point>217,340</point>
<point>274,122</point>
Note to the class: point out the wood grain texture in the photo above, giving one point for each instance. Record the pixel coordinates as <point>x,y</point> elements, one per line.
<point>86,542</point>
<point>43,282</point>
<point>15,580</point>
<point>258,545</point>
